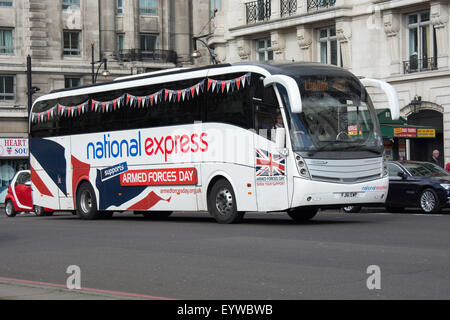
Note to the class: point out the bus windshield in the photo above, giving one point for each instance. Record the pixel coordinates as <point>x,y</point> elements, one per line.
<point>337,116</point>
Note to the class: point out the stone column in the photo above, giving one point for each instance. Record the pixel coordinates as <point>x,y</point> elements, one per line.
<point>304,39</point>
<point>391,22</point>
<point>278,44</point>
<point>439,19</point>
<point>182,34</point>
<point>130,15</point>
<point>108,27</point>
<point>276,9</point>
<point>344,35</point>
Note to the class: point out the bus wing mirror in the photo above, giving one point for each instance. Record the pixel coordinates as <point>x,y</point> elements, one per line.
<point>390,92</point>
<point>295,99</point>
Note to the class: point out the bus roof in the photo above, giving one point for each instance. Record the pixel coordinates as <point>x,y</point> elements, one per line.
<point>266,69</point>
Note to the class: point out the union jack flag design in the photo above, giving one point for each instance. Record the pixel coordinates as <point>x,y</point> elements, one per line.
<point>269,164</point>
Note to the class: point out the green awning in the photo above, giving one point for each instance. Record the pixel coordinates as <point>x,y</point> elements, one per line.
<point>400,129</point>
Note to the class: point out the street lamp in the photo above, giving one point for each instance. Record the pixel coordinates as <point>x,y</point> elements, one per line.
<point>103,62</point>
<point>31,90</point>
<point>197,54</point>
<point>416,102</point>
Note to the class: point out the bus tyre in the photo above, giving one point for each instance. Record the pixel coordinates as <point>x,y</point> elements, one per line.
<point>39,211</point>
<point>156,215</point>
<point>86,202</point>
<point>9,209</point>
<point>302,214</point>
<point>222,203</point>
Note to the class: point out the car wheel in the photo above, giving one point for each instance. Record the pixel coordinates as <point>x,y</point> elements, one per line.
<point>9,209</point>
<point>302,214</point>
<point>39,211</point>
<point>222,203</point>
<point>429,201</point>
<point>395,209</point>
<point>87,202</point>
<point>352,209</point>
<point>156,215</point>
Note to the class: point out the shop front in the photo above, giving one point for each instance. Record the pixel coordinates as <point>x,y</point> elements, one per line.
<point>397,136</point>
<point>13,157</point>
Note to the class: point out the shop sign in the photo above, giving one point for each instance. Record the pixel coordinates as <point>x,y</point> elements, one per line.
<point>405,132</point>
<point>426,133</point>
<point>13,148</point>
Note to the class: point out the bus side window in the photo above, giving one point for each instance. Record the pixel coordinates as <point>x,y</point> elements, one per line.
<point>267,112</point>
<point>230,107</point>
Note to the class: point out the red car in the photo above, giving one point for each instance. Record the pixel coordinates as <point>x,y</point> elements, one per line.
<point>19,197</point>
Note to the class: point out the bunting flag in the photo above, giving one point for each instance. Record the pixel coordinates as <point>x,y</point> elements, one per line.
<point>184,94</point>
<point>139,102</point>
<point>222,86</point>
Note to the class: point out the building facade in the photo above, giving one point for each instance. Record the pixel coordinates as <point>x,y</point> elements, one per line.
<point>63,37</point>
<point>405,42</point>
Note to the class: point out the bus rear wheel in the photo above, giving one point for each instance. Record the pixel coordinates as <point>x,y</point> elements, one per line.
<point>86,202</point>
<point>302,214</point>
<point>222,203</point>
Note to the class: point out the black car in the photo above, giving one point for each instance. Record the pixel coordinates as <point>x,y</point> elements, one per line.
<point>414,184</point>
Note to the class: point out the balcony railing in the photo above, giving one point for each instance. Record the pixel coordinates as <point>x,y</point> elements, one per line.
<point>162,56</point>
<point>419,65</point>
<point>260,10</point>
<point>319,4</point>
<point>288,7</point>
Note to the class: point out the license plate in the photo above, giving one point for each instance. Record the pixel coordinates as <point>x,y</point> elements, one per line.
<point>349,195</point>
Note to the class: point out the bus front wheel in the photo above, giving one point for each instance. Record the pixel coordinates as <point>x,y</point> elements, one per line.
<point>222,203</point>
<point>302,214</point>
<point>86,202</point>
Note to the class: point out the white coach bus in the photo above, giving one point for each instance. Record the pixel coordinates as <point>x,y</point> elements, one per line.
<point>227,139</point>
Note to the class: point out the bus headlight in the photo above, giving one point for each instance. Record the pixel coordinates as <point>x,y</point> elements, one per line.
<point>301,167</point>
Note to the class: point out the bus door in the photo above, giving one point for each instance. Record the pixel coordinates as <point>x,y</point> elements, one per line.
<point>63,175</point>
<point>270,165</point>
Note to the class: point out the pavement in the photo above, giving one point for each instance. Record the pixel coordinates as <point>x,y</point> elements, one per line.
<point>189,256</point>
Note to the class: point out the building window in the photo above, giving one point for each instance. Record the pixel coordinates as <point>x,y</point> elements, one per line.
<point>422,48</point>
<point>119,9</point>
<point>7,88</point>
<point>149,43</point>
<point>6,42</point>
<point>72,82</point>
<point>6,3</point>
<point>260,10</point>
<point>72,43</point>
<point>329,50</point>
<point>288,7</point>
<point>120,42</point>
<point>149,7</point>
<point>214,5</point>
<point>70,4</point>
<point>264,50</point>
